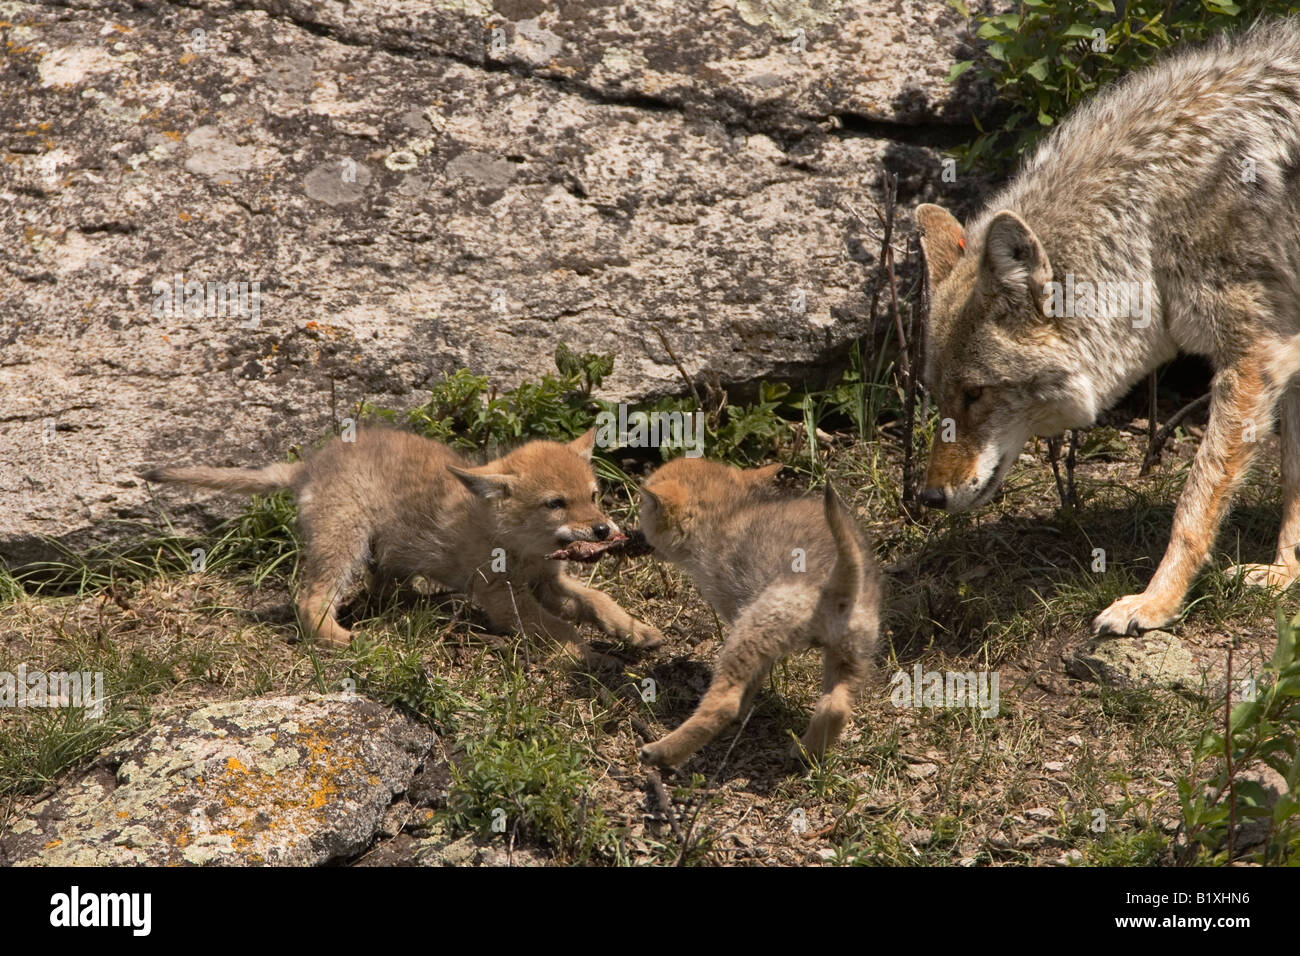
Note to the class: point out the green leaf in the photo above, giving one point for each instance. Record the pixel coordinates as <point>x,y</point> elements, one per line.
<point>1078,30</point>
<point>1286,807</point>
<point>1038,69</point>
<point>1244,715</point>
<point>1044,119</point>
<point>958,68</point>
<point>1105,6</point>
<point>1284,654</point>
<point>1251,794</point>
<point>960,7</point>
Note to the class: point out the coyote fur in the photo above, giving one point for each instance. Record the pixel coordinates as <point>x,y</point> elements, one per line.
<point>412,506</point>
<point>1161,217</point>
<point>784,574</point>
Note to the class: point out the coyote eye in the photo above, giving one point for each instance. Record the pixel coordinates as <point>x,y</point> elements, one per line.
<point>555,503</point>
<point>971,395</point>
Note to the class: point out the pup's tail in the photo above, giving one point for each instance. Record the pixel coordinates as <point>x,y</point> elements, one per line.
<point>248,481</point>
<point>845,583</point>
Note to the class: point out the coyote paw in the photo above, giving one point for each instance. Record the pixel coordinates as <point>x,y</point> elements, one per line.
<point>645,635</point>
<point>1270,577</point>
<point>1134,614</point>
<point>653,754</point>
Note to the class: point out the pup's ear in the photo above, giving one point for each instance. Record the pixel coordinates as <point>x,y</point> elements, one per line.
<point>942,240</point>
<point>762,475</point>
<point>669,496</point>
<point>485,485</point>
<point>584,443</point>
<point>1015,259</point>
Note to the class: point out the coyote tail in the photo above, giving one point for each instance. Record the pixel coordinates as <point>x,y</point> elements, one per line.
<point>845,583</point>
<point>249,481</point>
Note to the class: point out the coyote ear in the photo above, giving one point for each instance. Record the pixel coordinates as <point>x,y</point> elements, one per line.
<point>484,485</point>
<point>584,443</point>
<point>761,476</point>
<point>668,495</point>
<point>1015,258</point>
<point>942,240</point>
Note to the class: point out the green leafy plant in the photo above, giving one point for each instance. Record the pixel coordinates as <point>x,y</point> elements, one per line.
<point>1260,730</point>
<point>466,411</point>
<point>1046,56</point>
<point>523,770</point>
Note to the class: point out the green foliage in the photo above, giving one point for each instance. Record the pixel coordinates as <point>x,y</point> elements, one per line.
<point>399,677</point>
<point>1261,731</point>
<point>465,411</point>
<point>522,768</point>
<point>1049,55</point>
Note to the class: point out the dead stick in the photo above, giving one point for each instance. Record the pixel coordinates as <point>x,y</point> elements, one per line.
<point>1069,468</point>
<point>1227,753</point>
<point>909,410</point>
<point>661,797</point>
<point>1152,412</point>
<point>681,371</point>
<point>1162,436</point>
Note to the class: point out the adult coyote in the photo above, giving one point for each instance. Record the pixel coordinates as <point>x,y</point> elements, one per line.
<point>1163,216</point>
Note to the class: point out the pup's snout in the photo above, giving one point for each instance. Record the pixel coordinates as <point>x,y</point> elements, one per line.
<point>932,497</point>
<point>601,531</point>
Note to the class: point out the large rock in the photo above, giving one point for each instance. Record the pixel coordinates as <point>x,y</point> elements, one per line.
<point>1156,659</point>
<point>291,781</point>
<point>414,191</point>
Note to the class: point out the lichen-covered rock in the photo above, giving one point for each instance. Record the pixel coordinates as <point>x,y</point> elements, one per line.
<point>355,198</point>
<point>787,64</point>
<point>291,781</point>
<point>1156,659</point>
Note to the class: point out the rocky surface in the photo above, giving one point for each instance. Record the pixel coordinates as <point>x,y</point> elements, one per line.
<point>1154,659</point>
<point>416,186</point>
<point>291,781</point>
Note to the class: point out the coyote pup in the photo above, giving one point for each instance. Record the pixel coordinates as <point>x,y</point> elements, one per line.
<point>784,574</point>
<point>1163,216</point>
<point>414,507</point>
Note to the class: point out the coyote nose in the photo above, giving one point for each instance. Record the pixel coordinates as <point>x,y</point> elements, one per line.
<point>601,531</point>
<point>932,497</point>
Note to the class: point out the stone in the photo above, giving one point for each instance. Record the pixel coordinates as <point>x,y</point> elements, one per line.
<point>1156,659</point>
<point>206,788</point>
<point>417,187</point>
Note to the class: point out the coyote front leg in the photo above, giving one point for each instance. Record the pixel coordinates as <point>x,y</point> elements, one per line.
<point>1242,399</point>
<point>565,596</point>
<point>512,608</point>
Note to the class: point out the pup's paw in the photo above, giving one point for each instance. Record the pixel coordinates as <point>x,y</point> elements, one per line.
<point>653,754</point>
<point>1134,614</point>
<point>1269,577</point>
<point>645,635</point>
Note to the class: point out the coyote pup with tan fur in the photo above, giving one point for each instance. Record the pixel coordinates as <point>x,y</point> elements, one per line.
<point>784,574</point>
<point>412,506</point>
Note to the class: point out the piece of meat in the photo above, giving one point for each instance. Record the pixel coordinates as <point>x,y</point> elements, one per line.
<point>632,545</point>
